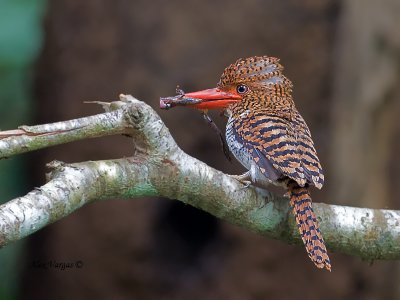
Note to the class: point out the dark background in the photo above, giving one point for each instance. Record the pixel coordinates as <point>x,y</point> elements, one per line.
<point>344,60</point>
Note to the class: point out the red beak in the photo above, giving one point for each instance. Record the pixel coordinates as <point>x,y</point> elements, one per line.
<point>213,98</point>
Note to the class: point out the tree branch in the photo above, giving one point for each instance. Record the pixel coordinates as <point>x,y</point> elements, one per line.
<point>160,168</point>
<point>29,138</point>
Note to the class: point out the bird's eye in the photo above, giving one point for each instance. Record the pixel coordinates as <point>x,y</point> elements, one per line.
<point>242,89</point>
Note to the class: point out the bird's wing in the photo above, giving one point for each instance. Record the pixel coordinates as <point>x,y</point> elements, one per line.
<point>277,149</point>
<point>309,159</point>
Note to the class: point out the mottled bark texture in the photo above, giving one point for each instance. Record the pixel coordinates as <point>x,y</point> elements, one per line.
<point>159,167</point>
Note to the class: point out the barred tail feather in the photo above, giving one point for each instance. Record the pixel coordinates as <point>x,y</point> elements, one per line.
<point>300,200</point>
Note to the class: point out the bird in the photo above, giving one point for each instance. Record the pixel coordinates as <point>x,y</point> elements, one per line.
<point>266,133</point>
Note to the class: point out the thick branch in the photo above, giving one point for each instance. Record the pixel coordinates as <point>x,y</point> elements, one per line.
<point>160,168</point>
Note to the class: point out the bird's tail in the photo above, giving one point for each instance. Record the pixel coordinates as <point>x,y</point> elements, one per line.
<point>300,200</point>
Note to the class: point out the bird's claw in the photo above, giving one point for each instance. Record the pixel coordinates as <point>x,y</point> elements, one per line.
<point>246,184</point>
<point>243,179</point>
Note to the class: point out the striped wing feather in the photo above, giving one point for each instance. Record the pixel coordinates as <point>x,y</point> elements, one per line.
<point>309,159</point>
<point>280,148</point>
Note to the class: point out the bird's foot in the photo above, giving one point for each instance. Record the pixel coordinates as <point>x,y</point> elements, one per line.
<point>245,179</point>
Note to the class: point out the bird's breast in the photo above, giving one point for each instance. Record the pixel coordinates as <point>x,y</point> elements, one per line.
<point>236,147</point>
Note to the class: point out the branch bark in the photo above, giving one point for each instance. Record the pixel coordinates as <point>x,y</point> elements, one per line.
<point>159,167</point>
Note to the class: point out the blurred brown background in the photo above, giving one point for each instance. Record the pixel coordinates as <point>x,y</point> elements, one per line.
<point>344,60</point>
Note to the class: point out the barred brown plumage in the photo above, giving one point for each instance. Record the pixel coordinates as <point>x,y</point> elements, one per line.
<point>267,134</point>
<point>307,223</point>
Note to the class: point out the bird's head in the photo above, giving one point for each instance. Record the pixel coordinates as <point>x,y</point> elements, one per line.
<point>255,81</point>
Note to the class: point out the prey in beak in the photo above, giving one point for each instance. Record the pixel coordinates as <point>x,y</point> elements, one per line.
<point>178,100</point>
<point>203,100</point>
